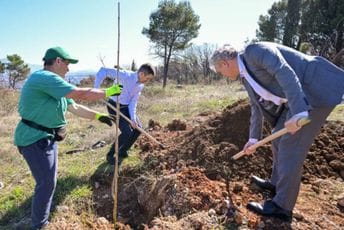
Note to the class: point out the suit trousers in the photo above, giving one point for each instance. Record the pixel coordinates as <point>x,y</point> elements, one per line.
<point>41,157</point>
<point>128,135</point>
<point>289,152</point>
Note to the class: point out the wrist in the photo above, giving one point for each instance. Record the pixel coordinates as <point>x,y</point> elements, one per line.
<point>253,140</point>
<point>108,92</point>
<point>98,115</point>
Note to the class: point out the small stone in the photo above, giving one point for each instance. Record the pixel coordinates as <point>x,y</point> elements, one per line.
<point>211,212</point>
<point>62,208</point>
<point>298,216</point>
<point>237,188</point>
<point>96,185</point>
<point>103,220</point>
<point>2,185</point>
<point>316,189</point>
<point>340,203</point>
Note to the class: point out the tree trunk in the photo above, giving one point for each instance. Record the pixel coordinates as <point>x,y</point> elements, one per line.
<point>166,62</point>
<point>292,20</point>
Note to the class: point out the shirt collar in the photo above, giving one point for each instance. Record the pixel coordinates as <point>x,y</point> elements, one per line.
<point>242,68</point>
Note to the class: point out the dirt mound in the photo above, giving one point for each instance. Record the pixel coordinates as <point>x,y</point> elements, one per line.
<point>176,125</point>
<point>189,184</point>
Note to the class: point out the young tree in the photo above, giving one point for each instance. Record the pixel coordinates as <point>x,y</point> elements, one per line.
<point>16,69</point>
<point>133,66</point>
<point>2,70</point>
<point>2,67</point>
<point>172,26</point>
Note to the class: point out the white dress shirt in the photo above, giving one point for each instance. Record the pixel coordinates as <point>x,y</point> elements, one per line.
<point>262,92</point>
<point>131,87</point>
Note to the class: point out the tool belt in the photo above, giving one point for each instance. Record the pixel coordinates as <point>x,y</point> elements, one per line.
<point>58,133</point>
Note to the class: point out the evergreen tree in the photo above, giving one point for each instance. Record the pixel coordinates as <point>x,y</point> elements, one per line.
<point>16,69</point>
<point>172,26</point>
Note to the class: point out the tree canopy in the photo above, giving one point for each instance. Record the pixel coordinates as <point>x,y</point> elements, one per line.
<point>318,23</point>
<point>172,26</point>
<point>16,69</point>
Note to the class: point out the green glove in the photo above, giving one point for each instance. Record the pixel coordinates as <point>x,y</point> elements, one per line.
<point>104,118</point>
<point>114,90</point>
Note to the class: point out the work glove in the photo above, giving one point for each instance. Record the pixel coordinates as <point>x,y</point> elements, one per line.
<point>293,124</point>
<point>114,90</point>
<point>104,118</point>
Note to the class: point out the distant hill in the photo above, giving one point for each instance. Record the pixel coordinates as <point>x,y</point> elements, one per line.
<point>34,67</point>
<point>73,77</point>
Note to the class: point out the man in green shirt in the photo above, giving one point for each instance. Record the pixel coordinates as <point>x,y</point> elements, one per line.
<point>44,100</point>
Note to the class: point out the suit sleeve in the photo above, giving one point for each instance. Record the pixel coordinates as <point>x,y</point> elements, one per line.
<point>102,74</point>
<point>270,59</point>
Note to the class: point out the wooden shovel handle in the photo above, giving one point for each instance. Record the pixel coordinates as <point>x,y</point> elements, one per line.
<point>273,136</point>
<point>137,127</point>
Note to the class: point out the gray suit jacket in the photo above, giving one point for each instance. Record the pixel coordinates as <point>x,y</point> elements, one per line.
<point>306,81</point>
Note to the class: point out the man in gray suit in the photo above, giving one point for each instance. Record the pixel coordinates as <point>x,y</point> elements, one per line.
<point>284,86</point>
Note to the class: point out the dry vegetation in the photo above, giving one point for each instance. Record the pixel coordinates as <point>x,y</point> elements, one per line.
<point>81,175</point>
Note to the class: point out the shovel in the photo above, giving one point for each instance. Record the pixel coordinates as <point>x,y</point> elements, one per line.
<point>273,136</point>
<point>138,128</point>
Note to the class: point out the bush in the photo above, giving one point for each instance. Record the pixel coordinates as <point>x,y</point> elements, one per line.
<point>8,101</point>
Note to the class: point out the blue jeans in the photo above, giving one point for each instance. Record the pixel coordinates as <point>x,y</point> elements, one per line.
<point>41,157</point>
<point>128,135</point>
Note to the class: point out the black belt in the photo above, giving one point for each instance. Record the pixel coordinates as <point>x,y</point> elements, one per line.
<point>38,126</point>
<point>120,105</point>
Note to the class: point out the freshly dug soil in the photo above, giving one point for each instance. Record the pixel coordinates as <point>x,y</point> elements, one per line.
<point>194,184</point>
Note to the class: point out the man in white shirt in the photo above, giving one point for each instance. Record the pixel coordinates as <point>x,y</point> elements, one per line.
<point>284,85</point>
<point>133,83</point>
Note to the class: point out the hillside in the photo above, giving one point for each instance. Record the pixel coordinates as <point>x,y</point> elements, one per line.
<point>191,184</point>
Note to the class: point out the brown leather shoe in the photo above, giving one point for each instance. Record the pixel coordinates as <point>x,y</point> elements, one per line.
<point>264,184</point>
<point>270,208</point>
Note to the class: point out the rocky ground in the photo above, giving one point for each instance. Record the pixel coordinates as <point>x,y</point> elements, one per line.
<point>194,184</point>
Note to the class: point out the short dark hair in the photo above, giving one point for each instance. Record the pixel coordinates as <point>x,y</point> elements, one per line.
<point>147,69</point>
<point>49,62</point>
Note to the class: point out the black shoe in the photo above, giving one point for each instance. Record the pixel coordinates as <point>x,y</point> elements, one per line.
<point>269,208</point>
<point>110,159</point>
<point>264,184</point>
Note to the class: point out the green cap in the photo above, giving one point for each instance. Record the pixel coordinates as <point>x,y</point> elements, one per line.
<point>55,52</point>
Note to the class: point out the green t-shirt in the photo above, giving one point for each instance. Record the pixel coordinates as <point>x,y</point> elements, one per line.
<point>42,100</point>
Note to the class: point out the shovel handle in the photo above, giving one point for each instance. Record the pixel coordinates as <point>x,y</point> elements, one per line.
<point>271,137</point>
<point>137,127</point>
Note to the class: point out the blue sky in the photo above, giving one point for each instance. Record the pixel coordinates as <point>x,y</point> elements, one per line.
<point>88,28</point>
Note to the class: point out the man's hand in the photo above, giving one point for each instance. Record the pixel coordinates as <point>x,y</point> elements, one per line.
<point>104,118</point>
<point>248,149</point>
<point>293,124</point>
<point>133,124</point>
<point>114,90</point>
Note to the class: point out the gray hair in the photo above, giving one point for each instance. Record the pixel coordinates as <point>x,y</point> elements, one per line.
<point>226,52</point>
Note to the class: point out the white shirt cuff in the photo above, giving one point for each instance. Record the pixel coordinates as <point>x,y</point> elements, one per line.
<point>253,140</point>
<point>303,114</point>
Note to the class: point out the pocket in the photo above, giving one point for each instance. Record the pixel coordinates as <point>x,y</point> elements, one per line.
<point>43,143</point>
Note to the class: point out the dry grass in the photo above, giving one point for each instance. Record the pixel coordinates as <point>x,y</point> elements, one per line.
<point>74,189</point>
